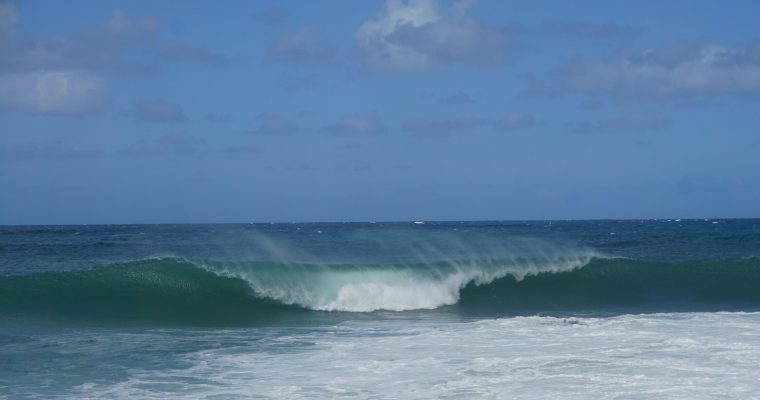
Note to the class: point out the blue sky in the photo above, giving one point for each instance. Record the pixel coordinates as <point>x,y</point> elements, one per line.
<point>150,112</point>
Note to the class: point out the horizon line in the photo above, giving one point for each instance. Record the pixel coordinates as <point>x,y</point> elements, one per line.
<point>424,221</point>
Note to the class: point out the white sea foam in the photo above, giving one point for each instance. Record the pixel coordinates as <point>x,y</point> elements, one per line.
<point>684,356</point>
<point>375,294</point>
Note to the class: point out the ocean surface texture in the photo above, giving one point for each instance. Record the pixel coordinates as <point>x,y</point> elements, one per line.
<point>647,309</point>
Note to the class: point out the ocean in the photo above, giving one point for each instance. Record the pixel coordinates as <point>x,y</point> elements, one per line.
<point>632,309</point>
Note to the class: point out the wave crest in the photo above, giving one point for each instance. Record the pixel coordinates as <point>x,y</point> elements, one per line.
<point>427,284</point>
<point>171,290</point>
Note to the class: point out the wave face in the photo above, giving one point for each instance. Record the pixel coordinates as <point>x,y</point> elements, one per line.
<point>172,290</point>
<point>618,285</point>
<point>165,290</point>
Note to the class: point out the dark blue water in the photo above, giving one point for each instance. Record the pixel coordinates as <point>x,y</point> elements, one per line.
<point>30,249</point>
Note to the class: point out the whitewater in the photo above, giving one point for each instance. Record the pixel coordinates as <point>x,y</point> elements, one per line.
<point>537,309</point>
<point>687,356</point>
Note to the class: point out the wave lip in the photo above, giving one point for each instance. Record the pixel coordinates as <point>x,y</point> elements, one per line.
<point>395,287</point>
<point>433,293</point>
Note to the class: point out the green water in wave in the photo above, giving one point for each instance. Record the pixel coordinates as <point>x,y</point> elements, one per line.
<point>175,291</point>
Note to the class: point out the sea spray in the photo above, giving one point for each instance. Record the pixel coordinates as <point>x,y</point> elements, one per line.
<point>440,270</point>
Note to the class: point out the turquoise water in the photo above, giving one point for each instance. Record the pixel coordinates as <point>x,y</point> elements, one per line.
<point>543,308</point>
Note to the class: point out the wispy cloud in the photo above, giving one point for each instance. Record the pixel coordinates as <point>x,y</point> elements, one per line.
<point>456,99</point>
<point>243,149</point>
<point>67,74</point>
<point>587,30</point>
<point>418,35</point>
<point>61,92</point>
<point>184,52</point>
<point>9,17</point>
<point>304,46</point>
<point>680,70</point>
<point>45,76</point>
<point>122,27</point>
<point>275,124</point>
<point>216,117</point>
<point>352,168</point>
<point>95,48</point>
<point>518,122</point>
<point>631,123</point>
<point>173,143</point>
<point>272,15</point>
<point>300,82</point>
<point>421,127</point>
<point>57,151</point>
<point>155,110</point>
<point>356,126</point>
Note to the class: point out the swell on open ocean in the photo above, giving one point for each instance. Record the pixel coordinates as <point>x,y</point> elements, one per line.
<point>537,309</point>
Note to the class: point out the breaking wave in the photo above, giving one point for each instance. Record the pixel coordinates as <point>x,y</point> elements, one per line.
<point>175,290</point>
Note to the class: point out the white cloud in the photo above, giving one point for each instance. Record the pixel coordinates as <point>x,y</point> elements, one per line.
<point>124,44</point>
<point>61,92</point>
<point>122,25</point>
<point>686,69</point>
<point>417,34</point>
